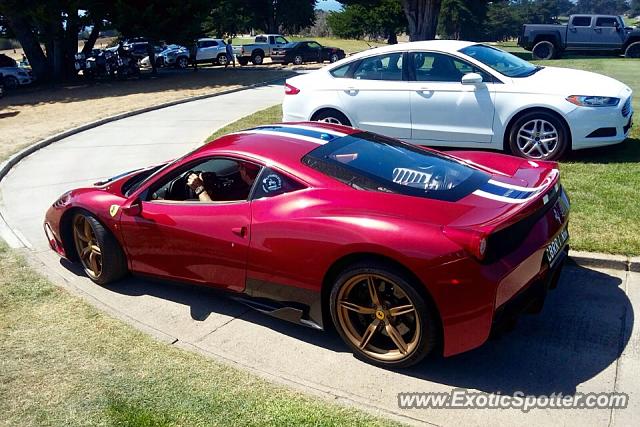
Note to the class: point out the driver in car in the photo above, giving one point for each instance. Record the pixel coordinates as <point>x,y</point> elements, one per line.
<point>203,187</point>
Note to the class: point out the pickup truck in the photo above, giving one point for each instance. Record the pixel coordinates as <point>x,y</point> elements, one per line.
<point>261,48</point>
<point>583,33</point>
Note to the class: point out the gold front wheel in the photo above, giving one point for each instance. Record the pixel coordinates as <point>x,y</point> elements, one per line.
<point>87,246</point>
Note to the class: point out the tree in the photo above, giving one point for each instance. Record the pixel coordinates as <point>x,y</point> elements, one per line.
<point>462,19</point>
<point>376,19</point>
<point>422,15</point>
<point>276,16</point>
<point>608,7</point>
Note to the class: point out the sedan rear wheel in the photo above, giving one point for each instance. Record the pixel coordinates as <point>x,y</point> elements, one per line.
<point>298,60</point>
<point>331,116</point>
<point>538,136</point>
<point>382,317</point>
<point>98,250</point>
<point>334,58</point>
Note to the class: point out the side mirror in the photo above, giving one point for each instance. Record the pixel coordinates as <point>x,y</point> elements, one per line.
<point>471,79</point>
<point>133,208</point>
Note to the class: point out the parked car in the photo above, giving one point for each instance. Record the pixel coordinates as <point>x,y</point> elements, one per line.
<point>405,250</point>
<point>306,51</point>
<point>14,75</point>
<point>583,33</point>
<point>463,94</point>
<point>175,55</point>
<point>260,49</point>
<point>211,50</point>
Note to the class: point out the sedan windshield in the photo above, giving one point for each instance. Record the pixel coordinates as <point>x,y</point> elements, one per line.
<point>367,161</point>
<point>501,61</point>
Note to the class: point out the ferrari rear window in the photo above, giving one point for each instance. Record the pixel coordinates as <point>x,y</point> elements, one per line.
<point>367,161</point>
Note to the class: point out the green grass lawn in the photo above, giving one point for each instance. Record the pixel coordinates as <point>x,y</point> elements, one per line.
<point>603,183</point>
<point>63,362</point>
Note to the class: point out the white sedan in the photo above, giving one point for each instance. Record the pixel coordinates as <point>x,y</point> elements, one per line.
<point>463,94</point>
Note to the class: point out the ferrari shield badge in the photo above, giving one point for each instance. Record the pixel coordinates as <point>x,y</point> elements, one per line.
<point>113,210</point>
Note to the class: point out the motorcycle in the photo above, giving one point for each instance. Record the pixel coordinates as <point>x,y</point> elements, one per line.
<point>104,65</point>
<point>126,66</point>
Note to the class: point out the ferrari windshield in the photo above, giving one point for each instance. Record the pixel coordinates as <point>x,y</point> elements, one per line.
<point>501,61</point>
<point>372,162</point>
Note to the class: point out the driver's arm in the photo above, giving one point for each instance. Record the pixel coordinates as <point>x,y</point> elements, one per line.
<point>197,185</point>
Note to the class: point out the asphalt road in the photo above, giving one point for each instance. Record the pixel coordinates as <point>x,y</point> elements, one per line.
<point>585,340</point>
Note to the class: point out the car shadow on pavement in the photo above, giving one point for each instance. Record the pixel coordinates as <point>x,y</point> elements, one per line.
<point>203,302</point>
<point>583,329</point>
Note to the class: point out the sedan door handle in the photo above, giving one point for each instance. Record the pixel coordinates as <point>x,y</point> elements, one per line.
<point>240,231</point>
<point>352,90</point>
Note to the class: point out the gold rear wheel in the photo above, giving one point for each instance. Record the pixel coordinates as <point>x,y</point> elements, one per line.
<point>380,316</point>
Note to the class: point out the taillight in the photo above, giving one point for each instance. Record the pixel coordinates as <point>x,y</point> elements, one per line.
<point>474,242</point>
<point>290,90</point>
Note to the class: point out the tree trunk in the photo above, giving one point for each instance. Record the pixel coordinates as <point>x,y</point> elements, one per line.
<point>21,26</point>
<point>71,43</point>
<point>423,18</point>
<point>93,37</point>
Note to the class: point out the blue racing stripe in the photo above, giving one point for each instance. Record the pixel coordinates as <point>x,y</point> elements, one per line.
<point>324,136</point>
<point>505,192</point>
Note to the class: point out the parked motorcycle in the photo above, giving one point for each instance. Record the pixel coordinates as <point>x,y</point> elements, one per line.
<point>102,65</point>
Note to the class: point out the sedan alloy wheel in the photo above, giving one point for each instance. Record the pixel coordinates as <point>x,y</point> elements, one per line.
<point>538,139</point>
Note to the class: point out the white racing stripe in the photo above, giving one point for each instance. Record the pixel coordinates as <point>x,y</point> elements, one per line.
<point>545,184</point>
<point>311,128</point>
<point>502,198</point>
<point>284,135</point>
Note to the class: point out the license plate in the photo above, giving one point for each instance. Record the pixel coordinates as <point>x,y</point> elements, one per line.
<point>556,245</point>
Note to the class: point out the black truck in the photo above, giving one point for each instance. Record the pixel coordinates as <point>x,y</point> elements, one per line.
<point>583,33</point>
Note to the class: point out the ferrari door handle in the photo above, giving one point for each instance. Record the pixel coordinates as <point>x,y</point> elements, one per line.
<point>240,231</point>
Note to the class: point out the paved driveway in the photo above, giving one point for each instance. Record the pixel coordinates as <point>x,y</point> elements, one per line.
<point>586,339</point>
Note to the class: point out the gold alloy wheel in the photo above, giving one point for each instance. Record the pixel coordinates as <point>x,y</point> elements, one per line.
<point>378,317</point>
<point>87,246</point>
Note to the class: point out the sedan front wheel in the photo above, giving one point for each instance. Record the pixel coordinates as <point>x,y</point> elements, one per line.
<point>538,136</point>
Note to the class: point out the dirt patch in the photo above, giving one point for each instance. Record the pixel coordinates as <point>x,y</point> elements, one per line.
<point>32,114</point>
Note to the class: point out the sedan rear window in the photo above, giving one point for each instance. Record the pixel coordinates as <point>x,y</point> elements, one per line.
<point>367,161</point>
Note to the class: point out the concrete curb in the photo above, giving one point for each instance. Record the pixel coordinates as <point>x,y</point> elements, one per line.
<point>599,260</point>
<point>6,166</point>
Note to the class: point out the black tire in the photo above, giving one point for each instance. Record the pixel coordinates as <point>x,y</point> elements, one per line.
<point>543,50</point>
<point>540,132</point>
<point>10,82</point>
<point>222,59</point>
<point>182,62</point>
<point>633,50</point>
<point>113,259</point>
<point>243,61</point>
<point>331,116</point>
<point>334,58</point>
<point>298,60</point>
<point>257,58</point>
<point>420,326</point>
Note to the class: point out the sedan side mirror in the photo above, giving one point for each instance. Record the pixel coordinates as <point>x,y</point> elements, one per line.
<point>133,208</point>
<point>471,79</point>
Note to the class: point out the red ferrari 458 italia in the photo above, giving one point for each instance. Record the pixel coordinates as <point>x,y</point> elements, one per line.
<point>404,249</point>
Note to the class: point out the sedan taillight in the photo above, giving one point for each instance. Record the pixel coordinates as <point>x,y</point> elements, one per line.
<point>290,90</point>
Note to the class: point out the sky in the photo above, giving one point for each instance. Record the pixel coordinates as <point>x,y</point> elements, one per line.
<point>328,5</point>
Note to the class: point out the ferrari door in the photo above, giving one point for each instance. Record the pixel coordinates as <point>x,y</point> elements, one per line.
<point>200,242</point>
<point>444,111</point>
<point>376,98</point>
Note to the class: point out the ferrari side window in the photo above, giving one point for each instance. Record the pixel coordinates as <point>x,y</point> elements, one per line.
<point>212,180</point>
<point>271,183</point>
